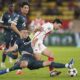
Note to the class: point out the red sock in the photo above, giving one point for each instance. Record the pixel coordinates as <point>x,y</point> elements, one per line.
<point>50,59</point>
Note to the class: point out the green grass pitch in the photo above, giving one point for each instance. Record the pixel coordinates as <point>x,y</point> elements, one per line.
<point>62,54</point>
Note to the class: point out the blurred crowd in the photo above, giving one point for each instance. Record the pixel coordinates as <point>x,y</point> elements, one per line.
<point>53,7</point>
<point>69,10</point>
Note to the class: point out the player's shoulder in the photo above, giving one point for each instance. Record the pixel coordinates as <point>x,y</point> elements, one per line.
<point>15,14</point>
<point>20,16</point>
<point>47,24</point>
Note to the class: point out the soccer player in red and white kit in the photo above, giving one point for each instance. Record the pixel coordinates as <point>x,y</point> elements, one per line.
<point>37,42</point>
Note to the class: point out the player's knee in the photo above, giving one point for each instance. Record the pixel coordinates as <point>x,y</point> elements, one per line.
<point>38,57</point>
<point>48,53</point>
<point>24,64</point>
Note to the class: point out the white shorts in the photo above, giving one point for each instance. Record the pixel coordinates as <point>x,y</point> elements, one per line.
<point>39,47</point>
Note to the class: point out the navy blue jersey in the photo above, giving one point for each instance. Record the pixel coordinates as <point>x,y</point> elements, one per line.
<point>20,22</point>
<point>7,18</point>
<point>24,45</point>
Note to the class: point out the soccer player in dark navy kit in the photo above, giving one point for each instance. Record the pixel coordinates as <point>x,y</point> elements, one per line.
<point>20,21</point>
<point>27,59</point>
<point>6,24</point>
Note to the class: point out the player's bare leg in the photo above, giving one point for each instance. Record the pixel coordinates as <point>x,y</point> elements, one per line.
<point>37,56</point>
<point>50,56</point>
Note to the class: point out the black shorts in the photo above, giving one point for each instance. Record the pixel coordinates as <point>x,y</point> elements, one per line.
<point>32,62</point>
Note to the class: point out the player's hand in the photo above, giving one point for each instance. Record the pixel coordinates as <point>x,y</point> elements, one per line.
<point>32,44</point>
<point>41,29</point>
<point>21,36</point>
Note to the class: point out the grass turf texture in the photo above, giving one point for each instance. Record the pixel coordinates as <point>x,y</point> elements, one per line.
<point>62,54</point>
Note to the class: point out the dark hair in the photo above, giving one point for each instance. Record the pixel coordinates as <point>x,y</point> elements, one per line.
<point>24,3</point>
<point>57,21</point>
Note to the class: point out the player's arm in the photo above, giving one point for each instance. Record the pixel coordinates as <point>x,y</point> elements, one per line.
<point>3,26</point>
<point>34,41</point>
<point>38,28</point>
<point>14,27</point>
<point>3,18</point>
<point>13,48</point>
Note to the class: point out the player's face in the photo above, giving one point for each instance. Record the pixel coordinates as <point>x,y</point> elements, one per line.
<point>24,33</point>
<point>12,7</point>
<point>25,9</point>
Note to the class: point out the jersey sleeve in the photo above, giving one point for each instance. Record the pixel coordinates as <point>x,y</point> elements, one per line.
<point>47,27</point>
<point>15,19</point>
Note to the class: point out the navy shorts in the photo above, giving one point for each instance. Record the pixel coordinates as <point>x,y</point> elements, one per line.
<point>32,62</point>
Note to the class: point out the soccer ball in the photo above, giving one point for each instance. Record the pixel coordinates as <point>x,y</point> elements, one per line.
<point>73,72</point>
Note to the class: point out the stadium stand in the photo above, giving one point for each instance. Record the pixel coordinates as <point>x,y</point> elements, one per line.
<point>66,10</point>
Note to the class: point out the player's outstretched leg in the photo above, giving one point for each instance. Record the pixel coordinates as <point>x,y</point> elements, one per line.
<point>50,56</point>
<point>60,65</point>
<point>15,67</point>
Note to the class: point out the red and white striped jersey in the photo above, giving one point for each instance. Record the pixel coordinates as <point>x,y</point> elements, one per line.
<point>46,29</point>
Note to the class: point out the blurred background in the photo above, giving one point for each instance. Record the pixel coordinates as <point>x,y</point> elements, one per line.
<point>66,10</point>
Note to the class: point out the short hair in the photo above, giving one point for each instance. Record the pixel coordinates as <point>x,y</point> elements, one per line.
<point>24,3</point>
<point>57,21</point>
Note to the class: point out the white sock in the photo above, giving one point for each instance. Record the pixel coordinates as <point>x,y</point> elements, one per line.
<point>7,70</point>
<point>66,65</point>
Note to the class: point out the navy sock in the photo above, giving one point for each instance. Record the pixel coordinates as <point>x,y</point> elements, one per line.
<point>57,65</point>
<point>15,67</point>
<point>3,57</point>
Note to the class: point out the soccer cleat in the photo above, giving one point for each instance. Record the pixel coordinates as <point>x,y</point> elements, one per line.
<point>55,73</point>
<point>19,72</point>
<point>3,65</point>
<point>70,64</point>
